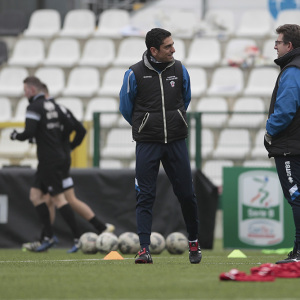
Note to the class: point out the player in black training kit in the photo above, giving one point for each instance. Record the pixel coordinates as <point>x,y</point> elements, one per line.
<point>44,121</point>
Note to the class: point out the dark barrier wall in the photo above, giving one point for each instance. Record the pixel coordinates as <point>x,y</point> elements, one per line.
<point>111,194</point>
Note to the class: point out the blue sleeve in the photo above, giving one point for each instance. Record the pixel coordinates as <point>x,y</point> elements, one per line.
<point>287,101</point>
<point>127,95</point>
<point>186,88</point>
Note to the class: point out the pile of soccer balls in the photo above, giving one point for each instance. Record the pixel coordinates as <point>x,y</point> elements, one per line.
<point>128,243</point>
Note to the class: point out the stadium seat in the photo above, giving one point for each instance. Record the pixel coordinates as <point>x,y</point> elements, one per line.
<point>203,52</point>
<point>256,23</point>
<point>12,22</point>
<point>110,164</point>
<point>43,23</point>
<point>268,54</point>
<point>29,162</point>
<point>208,106</point>
<point>130,52</point>
<point>29,53</point>
<point>6,109</point>
<point>180,53</point>
<point>98,53</point>
<point>63,52</point>
<point>119,144</point>
<point>286,16</point>
<point>186,27</point>
<point>233,144</point>
<point>240,118</point>
<point>74,104</point>
<point>259,151</point>
<point>198,81</point>
<point>3,52</point>
<point>219,23</point>
<point>213,169</point>
<point>78,23</point>
<point>258,163</point>
<point>53,77</point>
<point>20,110</point>
<point>82,82</point>
<point>240,52</point>
<point>4,162</point>
<point>261,82</point>
<point>207,143</point>
<point>226,81</point>
<point>111,23</point>
<point>11,81</point>
<point>100,104</point>
<point>112,82</point>
<point>12,149</point>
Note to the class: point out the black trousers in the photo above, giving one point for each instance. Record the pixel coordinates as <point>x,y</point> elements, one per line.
<point>175,160</point>
<point>288,169</point>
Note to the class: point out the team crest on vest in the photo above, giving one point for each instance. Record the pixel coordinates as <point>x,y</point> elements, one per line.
<point>172,83</point>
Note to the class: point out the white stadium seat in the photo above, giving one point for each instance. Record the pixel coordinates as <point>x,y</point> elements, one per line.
<point>112,82</point>
<point>74,104</point>
<point>6,109</point>
<point>233,144</point>
<point>78,23</point>
<point>82,82</point>
<point>43,23</point>
<point>259,151</point>
<point>27,53</point>
<point>63,52</point>
<point>98,53</point>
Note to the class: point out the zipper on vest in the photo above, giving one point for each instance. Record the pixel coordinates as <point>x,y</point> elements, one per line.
<point>181,115</point>
<point>144,121</point>
<point>163,107</point>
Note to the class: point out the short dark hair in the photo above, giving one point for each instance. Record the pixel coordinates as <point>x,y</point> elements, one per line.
<point>45,88</point>
<point>155,37</point>
<point>291,33</point>
<point>32,80</point>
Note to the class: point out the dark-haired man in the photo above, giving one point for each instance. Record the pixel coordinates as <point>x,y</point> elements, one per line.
<point>43,122</point>
<point>282,138</point>
<point>153,99</point>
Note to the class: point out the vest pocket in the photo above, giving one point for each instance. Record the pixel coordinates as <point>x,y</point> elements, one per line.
<point>182,117</point>
<point>144,121</point>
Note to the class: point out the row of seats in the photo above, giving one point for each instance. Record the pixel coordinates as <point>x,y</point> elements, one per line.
<point>115,23</point>
<point>88,81</point>
<point>102,52</point>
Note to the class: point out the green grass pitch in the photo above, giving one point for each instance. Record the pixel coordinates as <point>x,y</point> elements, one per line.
<point>58,275</point>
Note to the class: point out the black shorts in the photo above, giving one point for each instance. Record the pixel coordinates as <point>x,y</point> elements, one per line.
<point>53,178</point>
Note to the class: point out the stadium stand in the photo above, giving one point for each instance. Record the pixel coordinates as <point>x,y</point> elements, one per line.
<point>3,52</point>
<point>6,109</point>
<point>74,104</point>
<point>12,22</point>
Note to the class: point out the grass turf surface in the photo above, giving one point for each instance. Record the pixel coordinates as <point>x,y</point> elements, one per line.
<point>58,275</point>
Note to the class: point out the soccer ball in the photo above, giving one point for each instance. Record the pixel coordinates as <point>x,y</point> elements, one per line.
<point>158,243</point>
<point>88,243</point>
<point>129,243</point>
<point>176,243</point>
<point>107,242</point>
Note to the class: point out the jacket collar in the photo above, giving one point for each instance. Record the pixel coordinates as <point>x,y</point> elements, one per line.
<point>288,57</point>
<point>150,66</point>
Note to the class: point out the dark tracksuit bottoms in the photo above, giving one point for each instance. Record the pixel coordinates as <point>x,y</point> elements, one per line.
<point>288,169</point>
<point>175,160</point>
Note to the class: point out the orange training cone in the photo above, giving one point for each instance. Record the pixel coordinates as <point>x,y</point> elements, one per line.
<point>113,255</point>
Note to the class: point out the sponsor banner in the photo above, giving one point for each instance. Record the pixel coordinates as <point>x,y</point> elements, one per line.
<point>256,215</point>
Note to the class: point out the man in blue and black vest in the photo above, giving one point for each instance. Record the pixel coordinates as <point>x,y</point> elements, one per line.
<point>153,99</point>
<point>282,138</point>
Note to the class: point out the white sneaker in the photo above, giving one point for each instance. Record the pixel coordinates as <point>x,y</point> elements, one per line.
<point>31,246</point>
<point>109,228</point>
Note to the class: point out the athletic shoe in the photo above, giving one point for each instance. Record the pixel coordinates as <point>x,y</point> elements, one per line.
<point>144,257</point>
<point>109,228</point>
<point>292,257</point>
<point>75,247</point>
<point>31,246</point>
<point>47,243</point>
<point>194,252</point>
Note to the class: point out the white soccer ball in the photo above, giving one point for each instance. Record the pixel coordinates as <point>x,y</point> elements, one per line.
<point>176,243</point>
<point>129,243</point>
<point>88,243</point>
<point>107,242</point>
<point>158,243</point>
